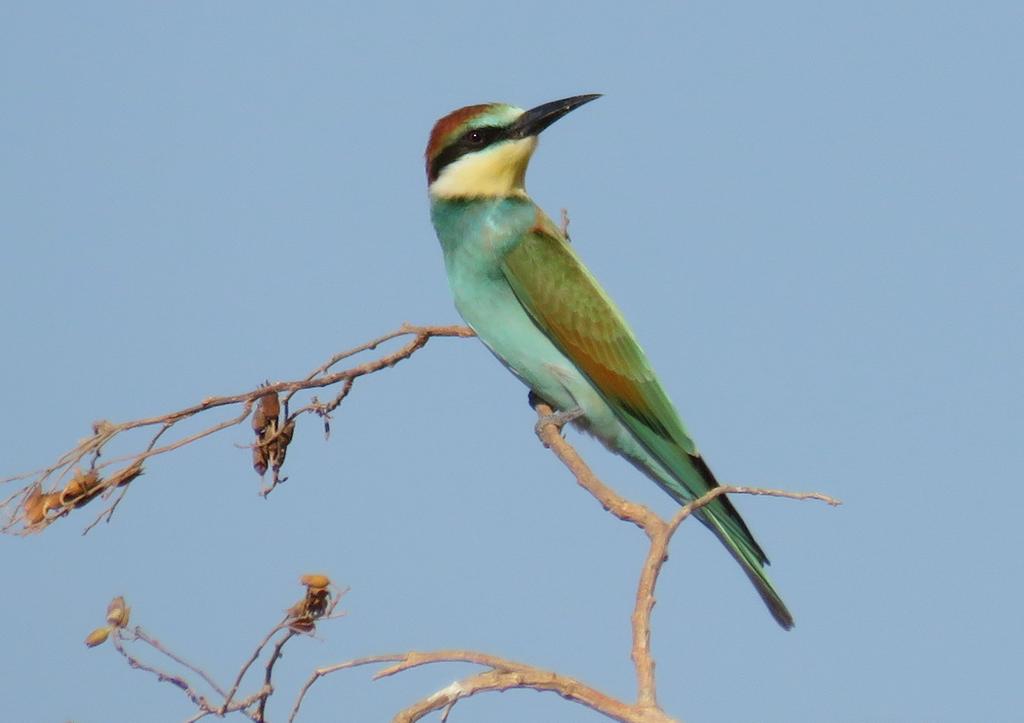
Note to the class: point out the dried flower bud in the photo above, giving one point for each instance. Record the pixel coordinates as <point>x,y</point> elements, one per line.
<point>32,507</point>
<point>270,405</point>
<point>316,602</point>
<point>81,483</point>
<point>315,580</point>
<point>259,460</point>
<point>51,502</point>
<point>80,488</point>
<point>98,636</point>
<point>279,447</point>
<point>268,450</point>
<point>302,616</point>
<point>267,410</point>
<point>37,504</point>
<point>302,625</point>
<point>118,612</point>
<point>287,433</point>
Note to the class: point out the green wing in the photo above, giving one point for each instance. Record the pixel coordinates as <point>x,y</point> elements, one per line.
<point>572,309</point>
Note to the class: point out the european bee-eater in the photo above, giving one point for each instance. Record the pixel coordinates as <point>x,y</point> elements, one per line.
<point>520,285</point>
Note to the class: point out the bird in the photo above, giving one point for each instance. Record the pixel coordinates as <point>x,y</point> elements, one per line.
<point>522,287</point>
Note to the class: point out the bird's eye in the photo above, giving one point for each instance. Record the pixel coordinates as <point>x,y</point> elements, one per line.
<point>475,137</point>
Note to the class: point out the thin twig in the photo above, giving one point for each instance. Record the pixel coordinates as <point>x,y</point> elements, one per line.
<point>163,676</point>
<point>275,655</point>
<point>104,431</point>
<point>248,664</point>
<point>327,670</point>
<point>139,634</point>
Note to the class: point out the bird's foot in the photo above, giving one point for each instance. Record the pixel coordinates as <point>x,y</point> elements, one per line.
<point>559,419</point>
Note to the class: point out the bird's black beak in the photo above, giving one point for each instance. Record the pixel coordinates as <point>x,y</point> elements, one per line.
<point>533,121</point>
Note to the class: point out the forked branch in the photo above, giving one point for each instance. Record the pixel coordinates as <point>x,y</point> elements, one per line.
<point>44,496</point>
<point>659,532</point>
<point>503,674</point>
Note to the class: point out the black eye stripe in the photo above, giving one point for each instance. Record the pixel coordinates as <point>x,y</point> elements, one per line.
<point>474,139</point>
<point>480,137</point>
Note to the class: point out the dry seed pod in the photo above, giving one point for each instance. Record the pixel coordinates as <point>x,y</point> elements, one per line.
<point>98,636</point>
<point>81,483</point>
<point>81,488</point>
<point>86,499</point>
<point>258,420</point>
<point>267,410</point>
<point>118,612</point>
<point>51,502</point>
<point>72,491</point>
<point>286,434</point>
<point>299,618</point>
<point>259,460</point>
<point>316,602</point>
<point>270,405</point>
<point>314,580</point>
<point>264,423</point>
<point>32,507</point>
<point>37,505</point>
<point>279,447</point>
<point>303,625</point>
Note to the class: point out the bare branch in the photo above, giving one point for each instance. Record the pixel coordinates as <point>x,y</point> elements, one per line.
<point>268,676</point>
<point>551,436</point>
<point>347,665</point>
<point>283,625</point>
<point>319,602</point>
<point>31,508</point>
<point>140,634</point>
<point>658,531</point>
<point>503,675</point>
<point>531,679</point>
<point>163,676</point>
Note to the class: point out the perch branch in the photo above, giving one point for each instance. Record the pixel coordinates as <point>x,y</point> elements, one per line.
<point>658,531</point>
<point>503,674</point>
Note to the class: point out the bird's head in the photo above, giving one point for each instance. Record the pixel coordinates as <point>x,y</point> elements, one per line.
<point>481,151</point>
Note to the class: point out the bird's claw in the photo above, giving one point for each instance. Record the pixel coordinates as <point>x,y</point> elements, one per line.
<point>559,419</point>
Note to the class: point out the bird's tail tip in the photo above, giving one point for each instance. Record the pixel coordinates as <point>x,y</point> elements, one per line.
<point>753,564</point>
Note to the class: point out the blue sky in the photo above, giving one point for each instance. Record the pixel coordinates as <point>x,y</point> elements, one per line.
<point>811,214</point>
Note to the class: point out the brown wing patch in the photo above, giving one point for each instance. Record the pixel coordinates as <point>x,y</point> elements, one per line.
<point>582,320</point>
<point>582,334</point>
<point>569,305</point>
<point>609,380</point>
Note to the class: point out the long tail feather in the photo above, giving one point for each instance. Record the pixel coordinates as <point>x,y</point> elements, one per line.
<point>751,564</point>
